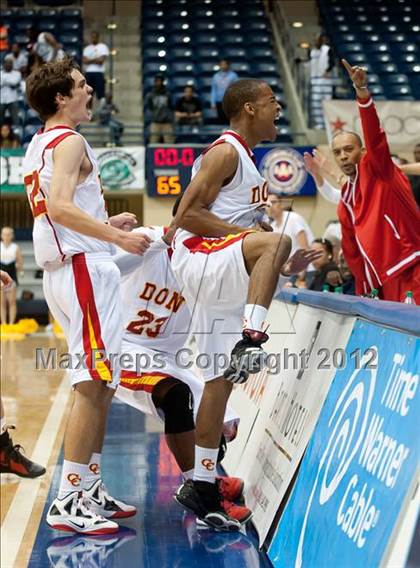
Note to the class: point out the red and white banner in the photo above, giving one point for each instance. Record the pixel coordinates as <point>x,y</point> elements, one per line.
<point>400,120</point>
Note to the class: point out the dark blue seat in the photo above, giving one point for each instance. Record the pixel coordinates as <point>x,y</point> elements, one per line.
<point>181,68</point>
<point>48,24</point>
<point>20,38</point>
<point>267,68</point>
<point>205,26</point>
<point>232,52</point>
<point>48,13</point>
<point>402,92</point>
<point>257,38</point>
<point>386,68</point>
<point>154,39</point>
<point>69,39</point>
<point>207,39</point>
<point>23,24</point>
<point>71,13</point>
<point>210,53</point>
<point>233,38</point>
<point>182,80</point>
<point>71,25</point>
<point>262,54</point>
<point>256,26</point>
<point>153,52</point>
<point>206,68</point>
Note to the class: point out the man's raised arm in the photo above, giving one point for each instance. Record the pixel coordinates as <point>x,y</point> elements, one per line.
<point>376,143</point>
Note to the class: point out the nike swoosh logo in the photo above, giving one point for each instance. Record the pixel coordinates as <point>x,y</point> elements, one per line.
<point>82,526</point>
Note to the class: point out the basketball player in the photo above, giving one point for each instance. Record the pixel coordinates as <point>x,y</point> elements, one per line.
<point>155,332</point>
<point>229,269</point>
<point>12,459</point>
<point>377,210</point>
<point>73,243</point>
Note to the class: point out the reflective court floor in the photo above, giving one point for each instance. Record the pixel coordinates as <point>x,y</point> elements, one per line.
<point>137,467</point>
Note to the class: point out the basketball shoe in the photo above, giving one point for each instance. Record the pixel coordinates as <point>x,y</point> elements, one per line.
<point>103,504</point>
<point>12,459</point>
<point>247,357</point>
<point>72,513</point>
<point>205,501</point>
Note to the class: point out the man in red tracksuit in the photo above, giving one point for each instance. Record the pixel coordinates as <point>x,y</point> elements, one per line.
<point>379,217</point>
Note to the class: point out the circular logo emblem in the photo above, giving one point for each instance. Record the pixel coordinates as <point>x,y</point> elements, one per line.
<point>116,169</point>
<point>208,464</point>
<point>284,169</point>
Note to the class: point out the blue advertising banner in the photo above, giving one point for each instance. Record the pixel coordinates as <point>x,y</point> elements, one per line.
<point>168,169</point>
<point>284,169</point>
<point>361,459</point>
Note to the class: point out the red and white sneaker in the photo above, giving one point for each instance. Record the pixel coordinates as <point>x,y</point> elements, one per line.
<point>231,488</point>
<point>103,504</point>
<point>238,512</point>
<point>72,513</point>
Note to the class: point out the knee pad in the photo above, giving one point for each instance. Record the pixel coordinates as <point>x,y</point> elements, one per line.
<point>178,405</point>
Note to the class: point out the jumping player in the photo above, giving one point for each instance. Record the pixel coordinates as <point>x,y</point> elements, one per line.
<point>228,269</point>
<point>154,380</point>
<point>377,210</point>
<point>73,243</point>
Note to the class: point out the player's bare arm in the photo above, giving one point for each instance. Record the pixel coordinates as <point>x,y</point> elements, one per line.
<point>68,160</point>
<point>217,169</point>
<point>411,169</point>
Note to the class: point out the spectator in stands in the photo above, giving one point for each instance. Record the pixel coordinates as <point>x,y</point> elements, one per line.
<point>348,283</point>
<point>188,111</point>
<point>322,58</point>
<point>8,138</point>
<point>326,270</point>
<point>106,112</point>
<point>158,101</point>
<point>47,48</point>
<point>378,214</point>
<point>333,234</point>
<point>4,37</point>
<point>289,223</point>
<point>95,55</point>
<point>19,58</point>
<point>9,92</point>
<point>221,81</point>
<point>11,261</point>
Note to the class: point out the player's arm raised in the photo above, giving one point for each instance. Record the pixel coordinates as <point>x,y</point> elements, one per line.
<point>68,157</point>
<point>217,168</point>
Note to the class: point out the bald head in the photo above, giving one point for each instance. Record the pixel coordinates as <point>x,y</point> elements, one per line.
<point>347,148</point>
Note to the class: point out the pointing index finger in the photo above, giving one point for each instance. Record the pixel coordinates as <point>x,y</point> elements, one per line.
<point>347,66</point>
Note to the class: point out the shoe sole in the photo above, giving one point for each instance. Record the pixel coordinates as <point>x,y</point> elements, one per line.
<point>202,523</point>
<point>214,521</point>
<point>67,528</point>
<point>117,515</point>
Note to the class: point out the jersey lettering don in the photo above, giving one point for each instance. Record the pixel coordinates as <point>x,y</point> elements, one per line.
<point>155,312</point>
<point>241,201</point>
<point>53,243</point>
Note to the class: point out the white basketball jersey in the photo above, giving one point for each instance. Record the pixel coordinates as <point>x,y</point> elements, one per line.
<point>155,313</point>
<point>53,243</point>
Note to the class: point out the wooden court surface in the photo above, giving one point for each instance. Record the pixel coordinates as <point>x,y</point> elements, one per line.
<point>37,403</point>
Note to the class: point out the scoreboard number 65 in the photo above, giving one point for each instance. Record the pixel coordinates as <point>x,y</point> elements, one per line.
<point>168,185</point>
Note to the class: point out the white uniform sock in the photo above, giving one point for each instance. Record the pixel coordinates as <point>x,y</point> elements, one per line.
<point>2,424</point>
<point>254,317</point>
<point>205,464</point>
<point>94,471</point>
<point>188,474</point>
<point>72,478</point>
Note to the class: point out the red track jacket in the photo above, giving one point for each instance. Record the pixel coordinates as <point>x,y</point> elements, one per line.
<point>379,217</point>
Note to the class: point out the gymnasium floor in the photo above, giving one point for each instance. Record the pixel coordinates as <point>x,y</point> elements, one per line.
<point>137,467</point>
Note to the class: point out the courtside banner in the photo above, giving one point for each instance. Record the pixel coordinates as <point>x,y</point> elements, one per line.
<point>11,177</point>
<point>284,169</point>
<point>121,168</point>
<point>290,409</point>
<point>399,119</point>
<point>247,399</point>
<point>361,460</point>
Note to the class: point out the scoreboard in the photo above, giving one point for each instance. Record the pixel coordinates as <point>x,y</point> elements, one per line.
<point>168,168</point>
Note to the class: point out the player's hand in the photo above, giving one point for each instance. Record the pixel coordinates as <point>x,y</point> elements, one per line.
<point>334,278</point>
<point>299,261</point>
<point>264,227</point>
<point>310,164</point>
<point>5,280</point>
<point>357,74</point>
<point>124,221</point>
<point>136,243</point>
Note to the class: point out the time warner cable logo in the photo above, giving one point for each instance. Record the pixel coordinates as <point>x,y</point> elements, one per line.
<point>354,430</point>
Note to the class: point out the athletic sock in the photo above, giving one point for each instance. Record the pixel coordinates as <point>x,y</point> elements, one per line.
<point>94,471</point>
<point>205,464</point>
<point>188,474</point>
<point>73,477</point>
<point>255,317</point>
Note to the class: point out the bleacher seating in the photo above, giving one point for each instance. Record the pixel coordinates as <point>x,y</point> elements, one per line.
<point>185,40</point>
<point>67,27</point>
<point>384,36</point>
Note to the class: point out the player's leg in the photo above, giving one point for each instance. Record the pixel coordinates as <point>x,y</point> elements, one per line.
<point>3,307</point>
<point>264,255</point>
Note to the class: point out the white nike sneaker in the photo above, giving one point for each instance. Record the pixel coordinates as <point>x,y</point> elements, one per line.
<point>103,504</point>
<point>73,514</point>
